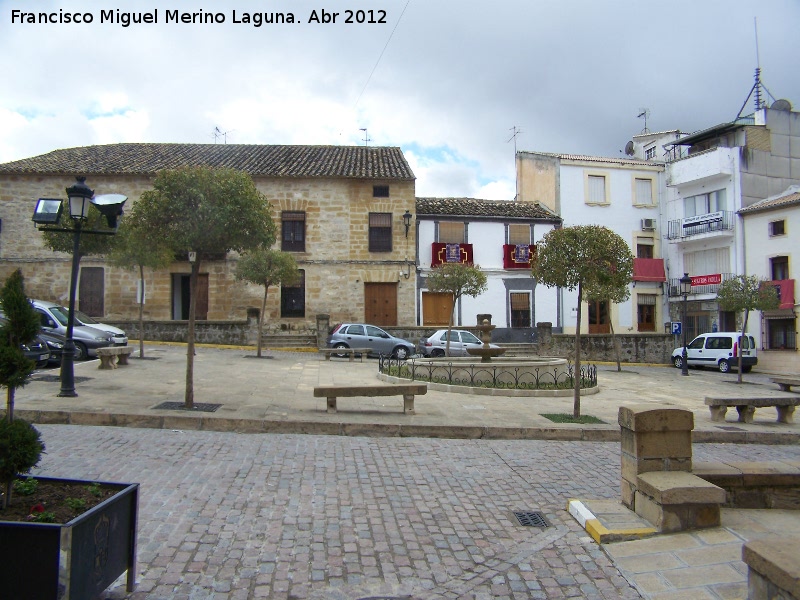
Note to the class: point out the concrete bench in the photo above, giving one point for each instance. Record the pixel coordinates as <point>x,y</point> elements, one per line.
<point>107,356</point>
<point>351,352</point>
<point>408,391</point>
<point>746,406</point>
<point>786,383</point>
<point>677,501</point>
<point>773,570</point>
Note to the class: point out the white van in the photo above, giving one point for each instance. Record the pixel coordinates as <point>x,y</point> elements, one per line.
<point>719,350</point>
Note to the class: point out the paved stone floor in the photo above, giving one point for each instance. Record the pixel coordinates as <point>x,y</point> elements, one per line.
<point>287,516</point>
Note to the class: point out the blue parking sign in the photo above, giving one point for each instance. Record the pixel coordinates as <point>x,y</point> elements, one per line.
<point>676,328</point>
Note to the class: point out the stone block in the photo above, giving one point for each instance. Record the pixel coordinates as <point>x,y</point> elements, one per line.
<point>628,493</point>
<point>775,559</point>
<point>631,467</point>
<point>664,444</point>
<point>649,417</point>
<point>676,487</point>
<point>670,518</point>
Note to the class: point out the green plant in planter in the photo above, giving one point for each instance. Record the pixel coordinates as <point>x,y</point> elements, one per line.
<point>21,448</point>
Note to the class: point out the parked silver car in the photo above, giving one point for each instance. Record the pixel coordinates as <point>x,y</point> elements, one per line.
<point>87,339</point>
<point>460,340</point>
<point>361,335</point>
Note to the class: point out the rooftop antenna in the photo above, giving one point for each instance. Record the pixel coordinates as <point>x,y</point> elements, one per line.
<point>221,134</point>
<point>366,139</point>
<point>644,113</point>
<point>755,91</point>
<point>515,131</point>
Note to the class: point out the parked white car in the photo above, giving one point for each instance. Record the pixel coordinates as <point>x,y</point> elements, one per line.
<point>460,340</point>
<point>718,350</point>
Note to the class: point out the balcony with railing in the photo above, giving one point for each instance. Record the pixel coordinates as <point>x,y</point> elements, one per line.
<point>698,166</point>
<point>718,223</point>
<point>701,284</point>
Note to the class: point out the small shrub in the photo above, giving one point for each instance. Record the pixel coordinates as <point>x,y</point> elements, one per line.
<point>21,448</point>
<point>26,487</point>
<point>94,490</point>
<point>76,504</point>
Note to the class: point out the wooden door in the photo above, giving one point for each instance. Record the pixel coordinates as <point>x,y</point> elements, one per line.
<point>436,308</point>
<point>91,292</point>
<point>598,317</point>
<point>201,305</point>
<point>380,303</point>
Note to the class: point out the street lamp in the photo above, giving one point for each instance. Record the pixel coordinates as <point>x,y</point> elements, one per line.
<point>686,288</point>
<point>48,212</point>
<point>407,221</point>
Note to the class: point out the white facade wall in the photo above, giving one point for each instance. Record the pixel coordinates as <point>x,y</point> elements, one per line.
<point>623,214</point>
<point>487,239</point>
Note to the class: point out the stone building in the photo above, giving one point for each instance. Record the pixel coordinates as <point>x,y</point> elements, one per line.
<point>338,209</point>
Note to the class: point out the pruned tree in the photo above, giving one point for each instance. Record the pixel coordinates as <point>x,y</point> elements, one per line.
<point>590,258</point>
<point>458,279</point>
<point>267,267</point>
<point>134,251</point>
<point>20,447</point>
<point>62,241</point>
<point>19,326</point>
<point>208,212</point>
<point>746,293</point>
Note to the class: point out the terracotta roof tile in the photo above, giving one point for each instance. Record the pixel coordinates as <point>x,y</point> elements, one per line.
<point>472,207</point>
<point>787,198</point>
<point>370,162</point>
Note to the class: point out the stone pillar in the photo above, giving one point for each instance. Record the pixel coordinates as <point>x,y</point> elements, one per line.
<point>653,438</point>
<point>544,333</point>
<point>323,324</point>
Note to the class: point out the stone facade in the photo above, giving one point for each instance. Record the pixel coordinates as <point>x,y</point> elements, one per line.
<point>337,262</point>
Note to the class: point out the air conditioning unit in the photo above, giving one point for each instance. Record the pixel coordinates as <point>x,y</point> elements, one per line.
<point>648,224</point>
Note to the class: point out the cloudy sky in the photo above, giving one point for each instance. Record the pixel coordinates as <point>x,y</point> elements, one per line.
<point>450,82</point>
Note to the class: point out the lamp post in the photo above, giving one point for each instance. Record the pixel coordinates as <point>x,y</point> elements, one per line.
<point>686,287</point>
<point>48,212</point>
<point>79,196</point>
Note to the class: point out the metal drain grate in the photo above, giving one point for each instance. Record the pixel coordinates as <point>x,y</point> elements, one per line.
<point>531,519</point>
<point>196,407</point>
<point>57,378</point>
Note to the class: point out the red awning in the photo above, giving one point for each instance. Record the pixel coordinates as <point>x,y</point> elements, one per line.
<point>785,291</point>
<point>649,269</point>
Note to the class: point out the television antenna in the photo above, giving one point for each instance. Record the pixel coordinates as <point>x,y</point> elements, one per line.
<point>221,134</point>
<point>515,131</point>
<point>758,85</point>
<point>644,113</point>
<point>366,139</point>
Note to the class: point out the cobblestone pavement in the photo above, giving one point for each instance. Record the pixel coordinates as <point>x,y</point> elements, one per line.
<point>239,516</point>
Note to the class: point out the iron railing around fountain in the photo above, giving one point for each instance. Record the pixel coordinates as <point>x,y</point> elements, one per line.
<point>491,375</point>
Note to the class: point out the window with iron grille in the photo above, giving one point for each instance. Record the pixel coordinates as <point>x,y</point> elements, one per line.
<point>293,298</point>
<point>650,153</point>
<point>293,231</point>
<point>380,191</point>
<point>520,309</point>
<point>380,232</point>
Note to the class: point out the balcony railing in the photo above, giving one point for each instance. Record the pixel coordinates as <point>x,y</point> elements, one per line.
<point>722,220</point>
<point>713,288</point>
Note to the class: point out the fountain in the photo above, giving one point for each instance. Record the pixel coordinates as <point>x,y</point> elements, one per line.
<point>493,374</point>
<point>485,352</point>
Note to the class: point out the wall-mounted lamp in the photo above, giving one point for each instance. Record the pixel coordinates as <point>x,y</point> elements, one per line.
<point>407,223</point>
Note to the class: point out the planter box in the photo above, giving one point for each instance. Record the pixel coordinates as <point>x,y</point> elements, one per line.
<point>76,560</point>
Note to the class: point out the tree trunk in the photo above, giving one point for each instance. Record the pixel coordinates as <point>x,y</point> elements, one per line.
<point>189,395</point>
<point>741,341</point>
<point>615,341</point>
<point>450,328</point>
<point>576,402</point>
<point>141,312</point>
<point>10,392</point>
<point>261,321</point>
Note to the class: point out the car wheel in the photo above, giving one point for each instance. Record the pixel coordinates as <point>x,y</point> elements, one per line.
<point>747,369</point>
<point>400,352</point>
<point>340,346</point>
<point>438,353</point>
<point>724,366</point>
<point>678,362</point>
<point>81,353</point>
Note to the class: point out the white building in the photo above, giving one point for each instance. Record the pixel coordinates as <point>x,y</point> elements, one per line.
<point>498,236</point>
<point>622,194</point>
<point>770,238</point>
<point>711,175</point>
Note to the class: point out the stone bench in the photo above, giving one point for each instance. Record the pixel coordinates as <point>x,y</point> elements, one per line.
<point>748,484</point>
<point>773,569</point>
<point>676,501</point>
<point>746,406</point>
<point>786,383</point>
<point>107,356</point>
<point>351,352</point>
<point>408,391</point>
